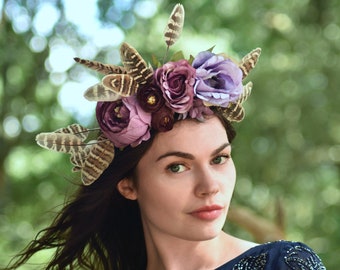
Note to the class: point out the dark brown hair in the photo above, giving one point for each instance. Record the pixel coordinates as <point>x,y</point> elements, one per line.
<point>98,228</point>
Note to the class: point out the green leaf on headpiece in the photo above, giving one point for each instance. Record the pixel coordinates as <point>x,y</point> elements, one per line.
<point>191,59</point>
<point>177,56</point>
<point>155,62</point>
<point>211,49</point>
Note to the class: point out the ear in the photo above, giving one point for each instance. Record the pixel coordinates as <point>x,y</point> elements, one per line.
<point>127,189</point>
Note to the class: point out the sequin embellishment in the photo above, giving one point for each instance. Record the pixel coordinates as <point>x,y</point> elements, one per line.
<point>302,258</point>
<point>252,263</point>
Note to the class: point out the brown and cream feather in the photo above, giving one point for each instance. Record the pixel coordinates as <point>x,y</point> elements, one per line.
<point>98,159</point>
<point>134,64</point>
<point>100,92</point>
<point>100,67</point>
<point>234,112</point>
<point>249,61</point>
<point>122,84</point>
<point>174,26</point>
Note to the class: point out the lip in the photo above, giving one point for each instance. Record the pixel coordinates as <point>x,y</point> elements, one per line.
<point>208,212</point>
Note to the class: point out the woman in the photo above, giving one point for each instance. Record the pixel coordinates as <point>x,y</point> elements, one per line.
<point>159,177</point>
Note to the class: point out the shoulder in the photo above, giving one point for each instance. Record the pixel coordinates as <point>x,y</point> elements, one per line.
<point>279,255</point>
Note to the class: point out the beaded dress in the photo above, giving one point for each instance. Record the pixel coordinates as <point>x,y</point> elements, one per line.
<point>279,255</point>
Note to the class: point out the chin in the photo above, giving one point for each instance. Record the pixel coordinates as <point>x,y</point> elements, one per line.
<point>206,230</point>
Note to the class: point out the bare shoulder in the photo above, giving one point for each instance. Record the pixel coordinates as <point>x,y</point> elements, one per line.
<point>243,245</point>
<point>236,246</point>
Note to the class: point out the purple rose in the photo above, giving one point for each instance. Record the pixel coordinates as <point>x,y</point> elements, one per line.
<point>176,80</point>
<point>218,80</point>
<point>123,121</point>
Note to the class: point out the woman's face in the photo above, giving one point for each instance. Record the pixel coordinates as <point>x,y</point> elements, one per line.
<point>185,181</point>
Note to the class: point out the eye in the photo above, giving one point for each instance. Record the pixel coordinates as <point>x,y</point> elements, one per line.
<point>176,168</point>
<point>220,159</point>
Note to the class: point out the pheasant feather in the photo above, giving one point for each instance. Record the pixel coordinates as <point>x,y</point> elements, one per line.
<point>99,92</point>
<point>100,67</point>
<point>174,26</point>
<point>234,112</point>
<point>249,61</point>
<point>121,84</point>
<point>134,64</point>
<point>60,142</point>
<point>98,159</point>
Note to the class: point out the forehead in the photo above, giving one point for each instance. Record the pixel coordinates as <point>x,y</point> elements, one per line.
<point>189,135</point>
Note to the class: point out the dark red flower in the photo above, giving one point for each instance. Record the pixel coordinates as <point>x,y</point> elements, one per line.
<point>163,119</point>
<point>150,98</point>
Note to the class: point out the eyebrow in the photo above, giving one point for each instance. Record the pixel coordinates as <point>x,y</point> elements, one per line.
<point>190,156</point>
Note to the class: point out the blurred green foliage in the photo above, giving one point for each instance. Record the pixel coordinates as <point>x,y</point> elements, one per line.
<point>288,146</point>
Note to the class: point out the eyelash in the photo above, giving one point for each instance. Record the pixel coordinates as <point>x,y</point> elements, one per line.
<point>170,167</point>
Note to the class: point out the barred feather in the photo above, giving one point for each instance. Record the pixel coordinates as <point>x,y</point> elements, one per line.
<point>91,158</point>
<point>100,67</point>
<point>234,112</point>
<point>249,61</point>
<point>78,158</point>
<point>75,129</point>
<point>60,142</point>
<point>134,64</point>
<point>122,84</point>
<point>99,92</point>
<point>99,158</point>
<point>175,25</point>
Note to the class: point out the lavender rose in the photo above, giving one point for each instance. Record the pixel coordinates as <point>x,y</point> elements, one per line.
<point>218,80</point>
<point>123,122</point>
<point>176,80</point>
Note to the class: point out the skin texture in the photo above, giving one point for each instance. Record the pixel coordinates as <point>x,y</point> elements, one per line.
<point>185,169</point>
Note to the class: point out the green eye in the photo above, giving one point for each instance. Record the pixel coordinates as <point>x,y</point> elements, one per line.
<point>220,159</point>
<point>176,168</point>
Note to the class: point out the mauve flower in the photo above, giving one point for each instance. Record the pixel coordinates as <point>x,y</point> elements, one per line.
<point>163,119</point>
<point>198,110</point>
<point>123,121</point>
<point>218,80</point>
<point>176,80</point>
<point>150,97</point>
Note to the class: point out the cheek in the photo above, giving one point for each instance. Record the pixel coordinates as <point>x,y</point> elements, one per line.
<point>230,178</point>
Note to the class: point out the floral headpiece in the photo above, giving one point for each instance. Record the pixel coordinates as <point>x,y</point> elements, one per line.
<point>133,99</point>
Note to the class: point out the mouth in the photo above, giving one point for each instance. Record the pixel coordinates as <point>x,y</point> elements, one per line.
<point>210,212</point>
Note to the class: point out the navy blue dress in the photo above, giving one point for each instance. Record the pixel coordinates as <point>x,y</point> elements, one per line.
<point>280,255</point>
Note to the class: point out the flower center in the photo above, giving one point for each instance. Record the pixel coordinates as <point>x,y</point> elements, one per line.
<point>166,120</point>
<point>216,82</point>
<point>151,100</point>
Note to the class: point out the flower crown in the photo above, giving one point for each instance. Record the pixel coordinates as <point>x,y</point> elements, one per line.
<point>133,99</point>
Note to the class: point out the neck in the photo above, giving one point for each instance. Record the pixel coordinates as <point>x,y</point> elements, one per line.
<point>171,253</point>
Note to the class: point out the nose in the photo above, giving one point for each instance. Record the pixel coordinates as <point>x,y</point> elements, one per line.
<point>207,182</point>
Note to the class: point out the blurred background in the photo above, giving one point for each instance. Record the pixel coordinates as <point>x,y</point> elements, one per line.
<point>287,151</point>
